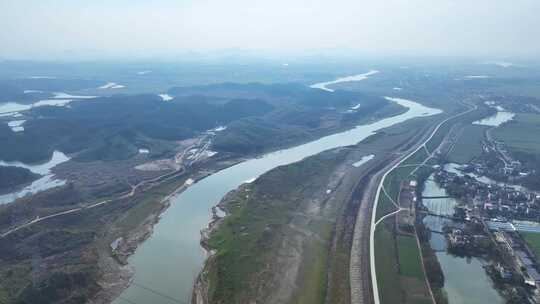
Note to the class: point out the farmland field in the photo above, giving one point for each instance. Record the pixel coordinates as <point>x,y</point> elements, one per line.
<point>521,134</point>
<point>469,144</point>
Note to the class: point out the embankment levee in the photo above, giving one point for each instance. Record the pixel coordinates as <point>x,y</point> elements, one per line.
<point>209,190</point>
<point>359,205</point>
<point>360,267</point>
<point>391,167</point>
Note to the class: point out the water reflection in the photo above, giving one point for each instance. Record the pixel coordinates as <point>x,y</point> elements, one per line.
<point>47,181</point>
<point>496,120</point>
<point>171,258</point>
<point>465,280</point>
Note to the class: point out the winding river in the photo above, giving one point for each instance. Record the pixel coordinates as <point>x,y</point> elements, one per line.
<point>169,261</point>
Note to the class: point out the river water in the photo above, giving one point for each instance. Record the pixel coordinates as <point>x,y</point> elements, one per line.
<point>169,261</point>
<point>359,77</point>
<point>59,99</point>
<point>465,280</point>
<point>46,181</point>
<point>457,169</point>
<point>496,119</point>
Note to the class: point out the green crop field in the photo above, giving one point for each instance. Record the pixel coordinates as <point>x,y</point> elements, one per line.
<point>409,257</point>
<point>400,276</point>
<point>533,240</point>
<point>259,222</point>
<point>386,265</point>
<point>392,184</point>
<point>521,134</point>
<point>469,144</point>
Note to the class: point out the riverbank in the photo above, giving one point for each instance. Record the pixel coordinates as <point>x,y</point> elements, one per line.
<point>335,275</point>
<point>276,234</point>
<point>454,267</point>
<point>174,241</point>
<point>132,230</point>
<point>92,231</point>
<point>201,287</point>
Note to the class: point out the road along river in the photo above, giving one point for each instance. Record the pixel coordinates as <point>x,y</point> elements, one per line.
<point>167,264</point>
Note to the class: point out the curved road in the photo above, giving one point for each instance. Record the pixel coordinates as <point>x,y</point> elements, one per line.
<point>374,222</point>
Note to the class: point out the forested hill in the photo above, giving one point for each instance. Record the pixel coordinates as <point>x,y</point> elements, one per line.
<point>11,177</point>
<point>288,92</point>
<point>118,121</point>
<point>112,128</point>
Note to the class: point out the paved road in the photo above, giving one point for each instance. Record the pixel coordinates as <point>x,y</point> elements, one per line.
<point>374,222</point>
<point>359,272</point>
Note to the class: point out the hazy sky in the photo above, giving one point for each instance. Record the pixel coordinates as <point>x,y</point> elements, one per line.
<point>71,28</point>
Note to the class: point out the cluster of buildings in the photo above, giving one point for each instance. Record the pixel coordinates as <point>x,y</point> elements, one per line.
<point>464,242</point>
<point>497,161</point>
<point>492,217</point>
<point>489,200</point>
<point>519,259</point>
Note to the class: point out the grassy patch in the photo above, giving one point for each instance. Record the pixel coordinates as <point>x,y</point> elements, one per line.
<point>416,158</point>
<point>409,257</point>
<point>386,266</point>
<point>447,126</point>
<point>521,134</point>
<point>384,207</point>
<point>439,136</point>
<point>240,253</point>
<point>533,240</point>
<point>19,277</point>
<point>313,288</point>
<point>264,216</point>
<point>469,144</point>
<point>400,276</point>
<point>519,89</point>
<point>147,203</point>
<point>392,185</point>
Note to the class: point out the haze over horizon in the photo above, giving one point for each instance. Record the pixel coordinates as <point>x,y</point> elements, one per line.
<point>62,29</point>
